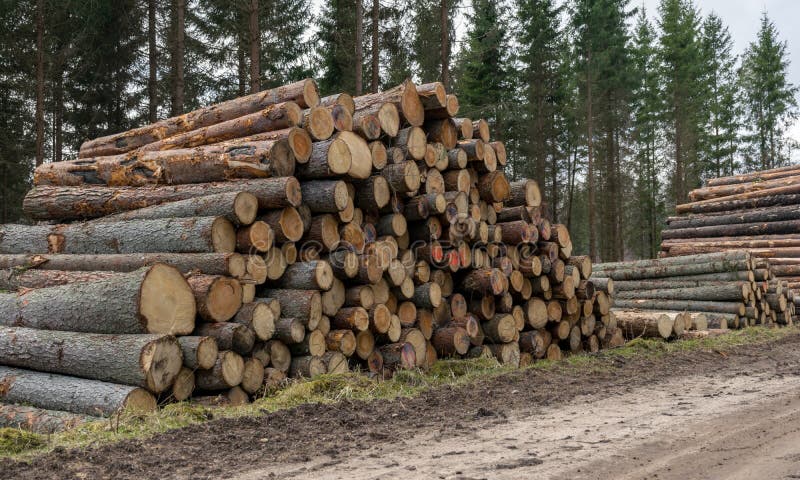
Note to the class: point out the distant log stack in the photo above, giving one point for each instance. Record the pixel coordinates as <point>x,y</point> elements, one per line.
<point>758,212</point>
<point>282,235</point>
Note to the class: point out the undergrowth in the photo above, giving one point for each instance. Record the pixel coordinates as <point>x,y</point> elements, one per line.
<point>354,386</point>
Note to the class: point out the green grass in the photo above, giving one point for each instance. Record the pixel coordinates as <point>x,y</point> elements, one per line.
<point>335,388</point>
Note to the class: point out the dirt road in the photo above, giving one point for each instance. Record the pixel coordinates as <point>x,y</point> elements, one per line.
<point>692,415</point>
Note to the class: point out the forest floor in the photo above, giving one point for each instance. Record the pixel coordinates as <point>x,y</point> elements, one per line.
<point>726,407</point>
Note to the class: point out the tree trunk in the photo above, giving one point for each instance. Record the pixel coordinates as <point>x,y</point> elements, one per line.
<point>255,47</point>
<point>72,203</point>
<point>304,93</point>
<point>230,264</point>
<point>174,235</point>
<point>38,420</point>
<point>636,273</point>
<point>16,279</point>
<point>148,361</point>
<point>403,96</point>
<point>178,51</point>
<point>239,208</point>
<point>154,299</point>
<point>152,63</point>
<point>376,49</point>
<point>181,166</point>
<point>198,351</point>
<point>731,291</point>
<point>70,394</point>
<point>359,47</point>
<point>444,25</point>
<point>40,86</point>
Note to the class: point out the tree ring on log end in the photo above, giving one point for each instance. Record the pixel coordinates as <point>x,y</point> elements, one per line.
<point>166,301</point>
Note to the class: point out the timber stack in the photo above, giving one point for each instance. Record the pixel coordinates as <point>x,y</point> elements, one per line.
<point>212,255</point>
<point>666,296</point>
<point>758,212</point>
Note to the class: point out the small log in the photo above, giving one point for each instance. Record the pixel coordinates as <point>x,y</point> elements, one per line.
<point>307,367</point>
<point>39,420</point>
<point>218,298</point>
<point>198,352</point>
<point>229,336</point>
<point>227,372</point>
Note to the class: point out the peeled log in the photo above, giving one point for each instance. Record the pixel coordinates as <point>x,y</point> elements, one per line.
<point>303,92</point>
<point>230,264</point>
<point>645,324</point>
<point>38,420</point>
<point>154,299</point>
<point>174,235</point>
<point>72,394</point>
<point>80,202</point>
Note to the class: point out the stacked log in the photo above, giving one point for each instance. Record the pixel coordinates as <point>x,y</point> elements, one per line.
<point>731,289</point>
<point>212,255</point>
<point>758,212</point>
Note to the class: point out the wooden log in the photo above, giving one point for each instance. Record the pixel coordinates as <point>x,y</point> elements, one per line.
<point>314,275</point>
<point>772,214</point>
<point>483,281</point>
<point>450,109</point>
<point>648,324</point>
<point>71,394</point>
<point>403,96</point>
<point>506,353</point>
<point>759,228</point>
<point>480,129</point>
<point>412,143</point>
<point>226,373</point>
<point>175,235</point>
<point>231,264</point>
<point>304,305</point>
<point>664,271</point>
<point>500,329</point>
<point>71,203</point>
<point>730,291</point>
<point>712,192</point>
<point>403,177</point>
<point>373,118</point>
<point>450,341</point>
<point>259,317</point>
<point>148,361</point>
<point>418,342</point>
<point>754,199</point>
<point>154,299</point>
<point>331,158</point>
<point>524,193</point>
<point>760,176</point>
<point>398,355</point>
<point>304,93</point>
<point>335,362</point>
<point>17,278</point>
<point>198,351</point>
<point>325,196</point>
<point>39,420</point>
<point>307,367</point>
<point>373,194</point>
<point>691,305</point>
<point>229,336</point>
<point>218,298</point>
<point>319,123</point>
<point>211,163</point>
<point>494,187</point>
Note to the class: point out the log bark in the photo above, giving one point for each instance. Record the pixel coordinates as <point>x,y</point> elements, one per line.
<point>240,208</point>
<point>229,336</point>
<point>645,324</point>
<point>304,93</point>
<point>712,192</point>
<point>180,166</point>
<point>18,278</point>
<point>733,292</point>
<point>759,198</point>
<point>403,96</point>
<point>759,176</point>
<point>450,341</point>
<point>314,275</point>
<point>198,352</point>
<point>174,235</point>
<point>71,394</point>
<point>690,305</point>
<point>675,270</point>
<point>450,109</point>
<point>148,361</point>
<point>304,305</point>
<point>259,317</point>
<point>729,230</point>
<point>226,373</point>
<point>307,367</point>
<point>39,420</point>
<point>151,300</point>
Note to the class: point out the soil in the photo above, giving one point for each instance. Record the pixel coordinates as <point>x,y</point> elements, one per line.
<point>731,414</point>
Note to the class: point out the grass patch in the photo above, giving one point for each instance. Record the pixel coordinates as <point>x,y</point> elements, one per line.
<point>328,389</point>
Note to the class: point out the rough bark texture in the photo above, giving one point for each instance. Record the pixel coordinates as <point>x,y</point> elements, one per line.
<point>39,420</point>
<point>239,208</point>
<point>150,300</point>
<point>148,361</point>
<point>71,394</point>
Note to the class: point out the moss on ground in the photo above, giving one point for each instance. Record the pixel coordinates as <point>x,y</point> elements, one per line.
<point>354,386</point>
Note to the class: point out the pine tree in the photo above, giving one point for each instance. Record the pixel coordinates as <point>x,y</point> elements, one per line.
<point>541,78</point>
<point>680,56</point>
<point>769,97</point>
<point>646,218</point>
<point>722,106</point>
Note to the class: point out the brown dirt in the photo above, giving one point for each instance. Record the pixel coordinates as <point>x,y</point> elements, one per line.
<point>676,416</point>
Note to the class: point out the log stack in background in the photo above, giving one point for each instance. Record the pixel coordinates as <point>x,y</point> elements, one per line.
<point>758,212</point>
<point>281,234</point>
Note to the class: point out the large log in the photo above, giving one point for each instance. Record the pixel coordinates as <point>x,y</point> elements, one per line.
<point>759,198</point>
<point>240,208</point>
<point>19,278</point>
<point>39,420</point>
<point>180,166</point>
<point>726,230</point>
<point>712,192</point>
<point>230,264</point>
<point>645,324</point>
<point>72,394</point>
<point>83,202</point>
<point>760,176</point>
<point>772,214</point>
<point>331,158</point>
<point>175,235</point>
<point>711,257</point>
<point>153,299</point>
<point>304,93</point>
<point>730,291</point>
<point>664,271</point>
<point>524,193</point>
<point>148,361</point>
<point>689,305</point>
<point>675,282</point>
<point>403,96</point>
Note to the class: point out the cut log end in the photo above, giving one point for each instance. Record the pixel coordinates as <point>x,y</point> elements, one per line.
<point>139,400</point>
<point>166,302</point>
<point>223,236</point>
<point>245,208</point>
<point>161,360</point>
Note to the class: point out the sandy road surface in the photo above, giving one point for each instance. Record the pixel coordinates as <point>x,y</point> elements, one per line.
<point>688,415</point>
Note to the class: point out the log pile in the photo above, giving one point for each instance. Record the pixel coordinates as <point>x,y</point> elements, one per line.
<point>758,212</point>
<point>281,234</point>
<point>666,296</point>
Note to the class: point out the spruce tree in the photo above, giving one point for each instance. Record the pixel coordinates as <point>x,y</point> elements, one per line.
<point>336,41</point>
<point>769,97</point>
<point>426,43</point>
<point>396,51</point>
<point>721,105</point>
